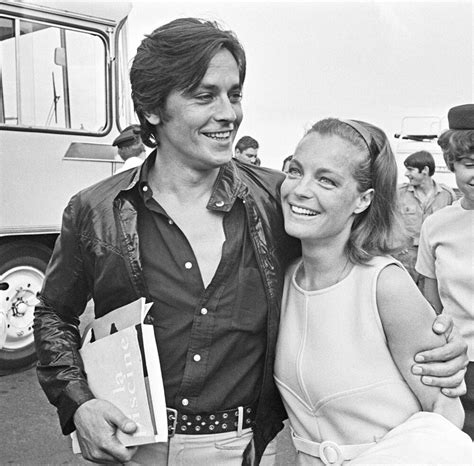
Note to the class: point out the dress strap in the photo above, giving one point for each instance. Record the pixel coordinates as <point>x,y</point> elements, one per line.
<point>328,452</point>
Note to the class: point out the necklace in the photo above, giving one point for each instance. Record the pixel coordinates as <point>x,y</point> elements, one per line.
<point>341,275</point>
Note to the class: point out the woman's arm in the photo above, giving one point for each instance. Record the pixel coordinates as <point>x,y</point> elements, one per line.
<point>430,292</point>
<point>406,318</point>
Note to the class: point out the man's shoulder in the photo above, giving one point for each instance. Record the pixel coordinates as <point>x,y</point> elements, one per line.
<point>104,191</point>
<point>404,187</point>
<point>445,187</point>
<point>266,178</point>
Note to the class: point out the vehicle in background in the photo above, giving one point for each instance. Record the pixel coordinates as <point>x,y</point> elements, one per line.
<point>64,97</point>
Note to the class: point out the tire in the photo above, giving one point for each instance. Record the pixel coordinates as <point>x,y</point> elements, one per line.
<point>22,266</point>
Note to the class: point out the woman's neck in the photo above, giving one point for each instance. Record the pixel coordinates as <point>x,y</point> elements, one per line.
<point>323,267</point>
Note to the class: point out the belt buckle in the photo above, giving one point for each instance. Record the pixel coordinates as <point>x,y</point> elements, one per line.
<point>172,418</point>
<point>330,453</point>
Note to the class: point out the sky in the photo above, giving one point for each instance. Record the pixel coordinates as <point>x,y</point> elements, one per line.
<point>373,61</point>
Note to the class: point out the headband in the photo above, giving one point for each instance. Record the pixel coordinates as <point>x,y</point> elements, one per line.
<point>366,136</point>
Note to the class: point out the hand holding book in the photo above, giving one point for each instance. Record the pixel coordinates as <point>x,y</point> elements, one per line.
<point>97,423</point>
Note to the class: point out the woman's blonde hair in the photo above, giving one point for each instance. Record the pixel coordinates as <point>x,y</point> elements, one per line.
<point>378,230</point>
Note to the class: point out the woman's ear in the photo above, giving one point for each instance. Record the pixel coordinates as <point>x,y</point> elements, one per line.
<point>364,201</point>
<point>153,118</point>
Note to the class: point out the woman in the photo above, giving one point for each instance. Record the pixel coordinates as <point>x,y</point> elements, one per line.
<point>352,317</point>
<point>446,253</point>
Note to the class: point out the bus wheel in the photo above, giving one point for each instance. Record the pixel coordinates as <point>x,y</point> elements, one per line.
<point>22,267</point>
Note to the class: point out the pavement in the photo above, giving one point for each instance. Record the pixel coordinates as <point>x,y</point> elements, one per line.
<point>30,433</point>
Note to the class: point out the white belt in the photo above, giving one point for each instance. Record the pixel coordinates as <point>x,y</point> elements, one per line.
<point>329,452</point>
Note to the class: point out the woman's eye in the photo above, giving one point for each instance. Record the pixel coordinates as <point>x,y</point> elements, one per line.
<point>327,181</point>
<point>292,171</point>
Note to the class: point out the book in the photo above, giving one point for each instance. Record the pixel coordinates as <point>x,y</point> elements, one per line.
<point>122,365</point>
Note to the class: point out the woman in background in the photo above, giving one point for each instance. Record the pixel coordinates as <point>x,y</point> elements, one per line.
<point>446,251</point>
<point>352,318</point>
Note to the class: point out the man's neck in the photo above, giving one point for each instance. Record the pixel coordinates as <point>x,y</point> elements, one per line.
<point>184,183</point>
<point>426,187</point>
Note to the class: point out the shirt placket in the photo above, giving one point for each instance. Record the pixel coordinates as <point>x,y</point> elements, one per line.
<point>202,332</point>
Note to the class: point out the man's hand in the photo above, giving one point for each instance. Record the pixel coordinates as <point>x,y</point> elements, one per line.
<point>96,423</point>
<point>445,366</point>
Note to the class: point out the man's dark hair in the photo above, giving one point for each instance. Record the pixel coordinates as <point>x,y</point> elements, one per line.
<point>246,142</point>
<point>420,160</point>
<point>176,56</point>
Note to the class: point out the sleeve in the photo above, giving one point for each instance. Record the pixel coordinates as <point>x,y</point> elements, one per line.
<point>63,298</point>
<point>425,262</point>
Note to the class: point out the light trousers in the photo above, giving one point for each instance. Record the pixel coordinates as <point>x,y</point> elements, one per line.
<point>201,450</point>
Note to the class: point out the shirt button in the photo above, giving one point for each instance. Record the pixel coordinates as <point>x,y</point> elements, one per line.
<point>219,203</point>
<point>170,222</point>
<point>197,357</point>
<point>185,402</point>
<point>203,311</point>
<point>188,265</point>
<point>145,189</point>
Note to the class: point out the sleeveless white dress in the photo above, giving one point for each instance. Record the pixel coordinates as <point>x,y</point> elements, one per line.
<point>336,375</point>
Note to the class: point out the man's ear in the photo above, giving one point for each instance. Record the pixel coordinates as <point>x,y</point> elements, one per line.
<point>425,170</point>
<point>153,118</point>
<point>364,201</point>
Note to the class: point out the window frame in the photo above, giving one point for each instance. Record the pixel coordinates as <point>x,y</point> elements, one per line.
<point>107,68</point>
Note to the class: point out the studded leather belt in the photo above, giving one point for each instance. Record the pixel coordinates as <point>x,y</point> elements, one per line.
<point>213,423</point>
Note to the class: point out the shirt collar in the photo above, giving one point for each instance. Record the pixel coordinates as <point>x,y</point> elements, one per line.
<point>227,186</point>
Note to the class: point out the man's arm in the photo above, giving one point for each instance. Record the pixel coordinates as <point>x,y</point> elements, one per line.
<point>57,339</point>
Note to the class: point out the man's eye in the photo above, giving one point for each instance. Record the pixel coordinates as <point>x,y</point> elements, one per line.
<point>204,97</point>
<point>235,97</point>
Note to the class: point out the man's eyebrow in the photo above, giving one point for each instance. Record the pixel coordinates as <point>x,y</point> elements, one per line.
<point>213,87</point>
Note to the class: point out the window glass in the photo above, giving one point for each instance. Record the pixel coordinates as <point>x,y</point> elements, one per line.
<point>8,110</point>
<point>61,79</point>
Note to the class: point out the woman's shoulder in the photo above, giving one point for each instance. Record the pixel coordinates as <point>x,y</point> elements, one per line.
<point>444,215</point>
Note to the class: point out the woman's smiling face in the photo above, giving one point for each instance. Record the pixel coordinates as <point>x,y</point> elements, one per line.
<point>320,194</point>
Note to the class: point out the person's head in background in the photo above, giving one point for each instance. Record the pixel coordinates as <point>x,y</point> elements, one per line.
<point>420,167</point>
<point>286,163</point>
<point>457,144</point>
<point>246,150</point>
<point>186,79</point>
<point>129,143</point>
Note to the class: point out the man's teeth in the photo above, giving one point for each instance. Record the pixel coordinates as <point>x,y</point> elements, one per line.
<point>219,135</point>
<point>302,211</point>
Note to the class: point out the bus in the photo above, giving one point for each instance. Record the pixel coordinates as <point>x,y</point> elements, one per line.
<point>64,97</point>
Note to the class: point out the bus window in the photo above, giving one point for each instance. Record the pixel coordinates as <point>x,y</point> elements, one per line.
<point>52,77</point>
<point>8,109</point>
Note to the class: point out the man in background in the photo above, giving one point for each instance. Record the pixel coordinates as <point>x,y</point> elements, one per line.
<point>419,198</point>
<point>246,150</point>
<point>130,147</point>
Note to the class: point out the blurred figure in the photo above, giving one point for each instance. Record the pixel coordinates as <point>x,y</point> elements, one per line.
<point>286,164</point>
<point>420,197</point>
<point>246,150</point>
<point>446,255</point>
<point>130,147</point>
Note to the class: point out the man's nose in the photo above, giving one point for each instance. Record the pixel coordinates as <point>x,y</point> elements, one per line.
<point>225,110</point>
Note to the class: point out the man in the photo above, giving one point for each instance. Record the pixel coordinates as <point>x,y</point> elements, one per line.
<point>246,150</point>
<point>130,148</point>
<point>201,236</point>
<point>420,197</point>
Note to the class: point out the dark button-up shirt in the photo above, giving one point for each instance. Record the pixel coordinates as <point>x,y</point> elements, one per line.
<point>211,340</point>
